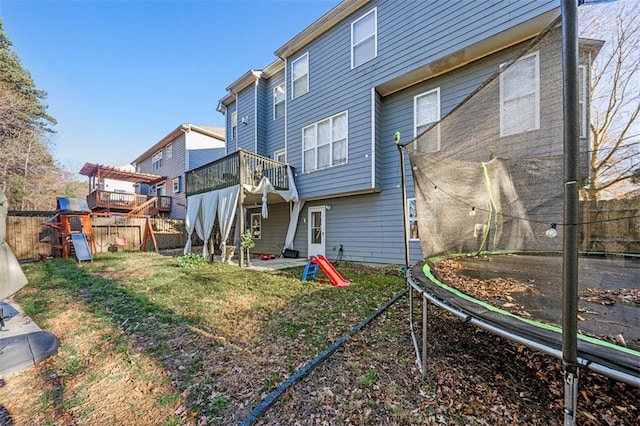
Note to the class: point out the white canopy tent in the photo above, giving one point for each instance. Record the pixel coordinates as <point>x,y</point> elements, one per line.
<point>203,208</point>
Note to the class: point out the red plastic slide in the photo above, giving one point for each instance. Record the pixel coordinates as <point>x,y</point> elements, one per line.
<point>330,271</point>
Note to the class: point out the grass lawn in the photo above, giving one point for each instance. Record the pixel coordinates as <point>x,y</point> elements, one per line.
<point>151,339</point>
<point>157,340</point>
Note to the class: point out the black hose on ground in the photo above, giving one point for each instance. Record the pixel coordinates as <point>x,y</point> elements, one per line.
<point>266,403</point>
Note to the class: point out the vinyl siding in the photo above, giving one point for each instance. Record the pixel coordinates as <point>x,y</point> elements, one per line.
<point>411,35</point>
<point>171,168</point>
<point>262,117</point>
<point>443,27</point>
<point>200,157</point>
<point>274,229</point>
<point>274,138</point>
<point>246,108</point>
<point>381,237</point>
<point>232,143</point>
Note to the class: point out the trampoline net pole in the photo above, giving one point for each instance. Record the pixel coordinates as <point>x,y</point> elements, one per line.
<point>425,307</point>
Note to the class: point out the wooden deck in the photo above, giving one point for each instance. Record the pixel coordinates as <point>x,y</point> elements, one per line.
<point>240,167</point>
<point>119,202</point>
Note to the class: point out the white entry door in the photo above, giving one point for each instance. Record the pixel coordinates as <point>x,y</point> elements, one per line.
<point>316,230</point>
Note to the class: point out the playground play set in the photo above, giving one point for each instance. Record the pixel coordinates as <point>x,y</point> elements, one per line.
<point>72,223</point>
<point>320,262</point>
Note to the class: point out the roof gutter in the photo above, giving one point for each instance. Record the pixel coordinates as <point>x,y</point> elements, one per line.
<point>320,26</point>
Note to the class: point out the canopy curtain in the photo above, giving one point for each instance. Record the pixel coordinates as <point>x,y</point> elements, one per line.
<point>193,208</point>
<point>208,209</point>
<point>293,223</point>
<point>227,206</point>
<point>12,278</point>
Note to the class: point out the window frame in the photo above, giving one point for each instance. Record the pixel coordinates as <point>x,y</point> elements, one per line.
<point>331,142</point>
<point>169,150</point>
<point>305,56</point>
<point>374,36</point>
<point>156,160</point>
<point>282,87</point>
<point>234,125</point>
<point>416,132</point>
<point>583,100</point>
<point>252,228</point>
<point>280,152</point>
<point>161,189</point>
<point>412,219</point>
<point>175,183</point>
<point>536,93</point>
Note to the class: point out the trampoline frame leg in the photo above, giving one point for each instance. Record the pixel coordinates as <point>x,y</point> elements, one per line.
<point>425,306</point>
<point>570,396</point>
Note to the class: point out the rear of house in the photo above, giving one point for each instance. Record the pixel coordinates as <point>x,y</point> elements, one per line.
<point>332,101</point>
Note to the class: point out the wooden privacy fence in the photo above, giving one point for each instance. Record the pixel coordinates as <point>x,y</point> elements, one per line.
<point>608,226</point>
<point>31,239</point>
<point>611,226</point>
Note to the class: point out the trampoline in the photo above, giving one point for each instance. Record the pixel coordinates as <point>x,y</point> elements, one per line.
<point>530,313</point>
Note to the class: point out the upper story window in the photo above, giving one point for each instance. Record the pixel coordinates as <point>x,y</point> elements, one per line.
<point>364,38</point>
<point>156,160</point>
<point>278,101</point>
<point>520,96</point>
<point>234,125</point>
<point>300,76</point>
<point>176,185</point>
<point>583,89</point>
<point>324,144</point>
<point>169,150</point>
<point>280,156</point>
<point>426,112</point>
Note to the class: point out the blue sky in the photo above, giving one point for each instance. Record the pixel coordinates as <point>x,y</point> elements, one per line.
<point>120,75</point>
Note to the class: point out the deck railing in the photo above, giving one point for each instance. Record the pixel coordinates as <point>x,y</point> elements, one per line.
<point>124,202</point>
<point>239,167</point>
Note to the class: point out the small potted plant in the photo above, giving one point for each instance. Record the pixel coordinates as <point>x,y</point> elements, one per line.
<point>246,244</point>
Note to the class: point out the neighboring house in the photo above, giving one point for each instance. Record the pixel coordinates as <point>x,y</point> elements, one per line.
<point>187,147</point>
<point>331,102</point>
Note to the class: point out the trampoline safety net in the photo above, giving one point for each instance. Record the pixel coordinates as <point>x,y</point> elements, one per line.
<point>489,190</point>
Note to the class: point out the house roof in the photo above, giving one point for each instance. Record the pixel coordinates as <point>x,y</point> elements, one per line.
<point>320,26</point>
<point>246,79</point>
<point>211,131</point>
<point>109,172</point>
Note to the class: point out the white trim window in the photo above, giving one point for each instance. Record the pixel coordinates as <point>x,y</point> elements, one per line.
<point>364,38</point>
<point>426,113</point>
<point>280,156</point>
<point>520,96</point>
<point>156,160</point>
<point>234,125</point>
<point>161,189</point>
<point>176,184</point>
<point>583,89</point>
<point>325,143</point>
<point>169,150</point>
<point>300,76</point>
<point>412,219</point>
<point>279,97</point>
<point>256,226</point>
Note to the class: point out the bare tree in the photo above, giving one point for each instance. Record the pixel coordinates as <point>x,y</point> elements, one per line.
<point>615,97</point>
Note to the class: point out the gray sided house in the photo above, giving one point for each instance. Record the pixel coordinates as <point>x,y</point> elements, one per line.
<point>331,102</point>
<point>187,147</point>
